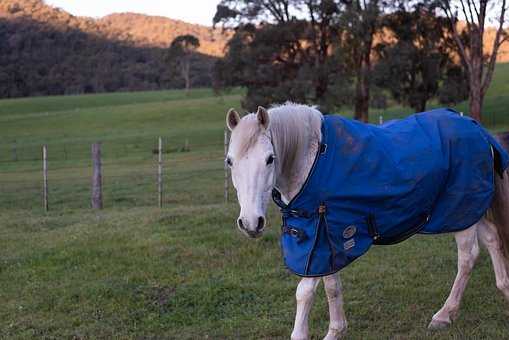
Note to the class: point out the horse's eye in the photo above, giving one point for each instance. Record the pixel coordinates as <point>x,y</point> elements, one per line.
<point>229,162</point>
<point>270,160</point>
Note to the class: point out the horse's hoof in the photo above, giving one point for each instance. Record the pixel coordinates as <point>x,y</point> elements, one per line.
<point>299,337</point>
<point>436,325</point>
<point>335,334</point>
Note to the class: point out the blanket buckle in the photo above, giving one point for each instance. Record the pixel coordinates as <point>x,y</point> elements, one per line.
<point>294,232</point>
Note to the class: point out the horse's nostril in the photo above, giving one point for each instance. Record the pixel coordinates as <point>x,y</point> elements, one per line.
<point>239,222</point>
<point>261,223</point>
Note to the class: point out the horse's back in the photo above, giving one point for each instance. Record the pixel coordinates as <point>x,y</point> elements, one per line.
<point>464,153</point>
<point>436,163</point>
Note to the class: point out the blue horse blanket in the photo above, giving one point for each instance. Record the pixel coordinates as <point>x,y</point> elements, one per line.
<point>430,173</point>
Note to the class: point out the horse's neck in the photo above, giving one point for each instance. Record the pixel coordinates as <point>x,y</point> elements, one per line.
<point>296,140</point>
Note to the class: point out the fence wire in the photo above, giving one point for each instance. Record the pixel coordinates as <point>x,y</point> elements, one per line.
<point>192,174</point>
<point>16,152</point>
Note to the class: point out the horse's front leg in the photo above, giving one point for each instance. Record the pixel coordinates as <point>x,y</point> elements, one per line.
<point>305,295</point>
<point>337,323</point>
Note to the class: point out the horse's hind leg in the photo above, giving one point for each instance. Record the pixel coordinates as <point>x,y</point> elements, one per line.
<point>337,323</point>
<point>305,295</point>
<point>490,239</point>
<point>468,251</point>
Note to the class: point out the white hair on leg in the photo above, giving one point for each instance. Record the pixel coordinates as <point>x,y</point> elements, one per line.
<point>490,239</point>
<point>468,251</point>
<point>305,295</point>
<point>337,323</point>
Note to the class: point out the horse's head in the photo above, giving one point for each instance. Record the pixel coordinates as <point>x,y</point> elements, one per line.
<point>252,163</point>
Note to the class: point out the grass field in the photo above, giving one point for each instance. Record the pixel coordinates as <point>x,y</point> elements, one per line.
<point>184,272</point>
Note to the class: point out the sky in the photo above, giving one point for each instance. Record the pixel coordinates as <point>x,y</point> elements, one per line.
<point>192,11</point>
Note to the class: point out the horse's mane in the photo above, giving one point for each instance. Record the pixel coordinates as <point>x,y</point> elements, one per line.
<point>289,123</point>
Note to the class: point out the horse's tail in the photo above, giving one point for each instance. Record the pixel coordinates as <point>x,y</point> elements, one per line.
<point>499,210</point>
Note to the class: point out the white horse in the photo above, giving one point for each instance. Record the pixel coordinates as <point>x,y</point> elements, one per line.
<point>276,148</point>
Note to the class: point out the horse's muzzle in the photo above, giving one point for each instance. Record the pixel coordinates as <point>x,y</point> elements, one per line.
<point>248,230</point>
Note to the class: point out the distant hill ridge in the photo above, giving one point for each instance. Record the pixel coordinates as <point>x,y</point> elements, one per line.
<point>139,29</point>
<point>160,31</point>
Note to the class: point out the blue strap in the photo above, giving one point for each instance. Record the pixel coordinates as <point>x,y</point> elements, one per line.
<point>285,210</point>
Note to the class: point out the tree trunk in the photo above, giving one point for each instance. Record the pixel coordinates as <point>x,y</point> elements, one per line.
<point>322,48</point>
<point>188,81</point>
<point>475,102</point>
<point>363,79</point>
<point>475,79</point>
<point>186,66</point>
<point>421,107</point>
<point>362,91</point>
<point>321,87</point>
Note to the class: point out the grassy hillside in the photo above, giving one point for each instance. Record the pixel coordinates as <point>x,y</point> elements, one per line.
<point>128,126</point>
<point>134,271</point>
<point>197,116</point>
<point>112,116</point>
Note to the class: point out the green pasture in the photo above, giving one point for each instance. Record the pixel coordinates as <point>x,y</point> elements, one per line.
<point>133,271</point>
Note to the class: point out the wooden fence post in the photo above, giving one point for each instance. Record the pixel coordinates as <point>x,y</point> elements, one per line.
<point>97,196</point>
<point>226,182</point>
<point>45,178</point>
<point>160,172</point>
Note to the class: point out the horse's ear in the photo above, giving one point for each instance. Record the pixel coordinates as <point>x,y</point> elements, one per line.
<point>232,119</point>
<point>263,117</point>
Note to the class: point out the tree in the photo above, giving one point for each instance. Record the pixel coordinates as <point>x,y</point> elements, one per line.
<point>454,88</point>
<point>416,61</point>
<point>278,56</point>
<point>362,21</point>
<point>478,66</point>
<point>245,11</point>
<point>180,53</point>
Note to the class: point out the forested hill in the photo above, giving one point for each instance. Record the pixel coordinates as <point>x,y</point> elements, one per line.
<point>47,51</point>
<point>160,31</point>
<point>142,30</point>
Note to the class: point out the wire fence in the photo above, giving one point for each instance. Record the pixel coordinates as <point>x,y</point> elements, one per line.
<point>15,152</point>
<point>192,174</point>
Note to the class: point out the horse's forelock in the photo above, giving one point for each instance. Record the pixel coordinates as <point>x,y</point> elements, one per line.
<point>245,135</point>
